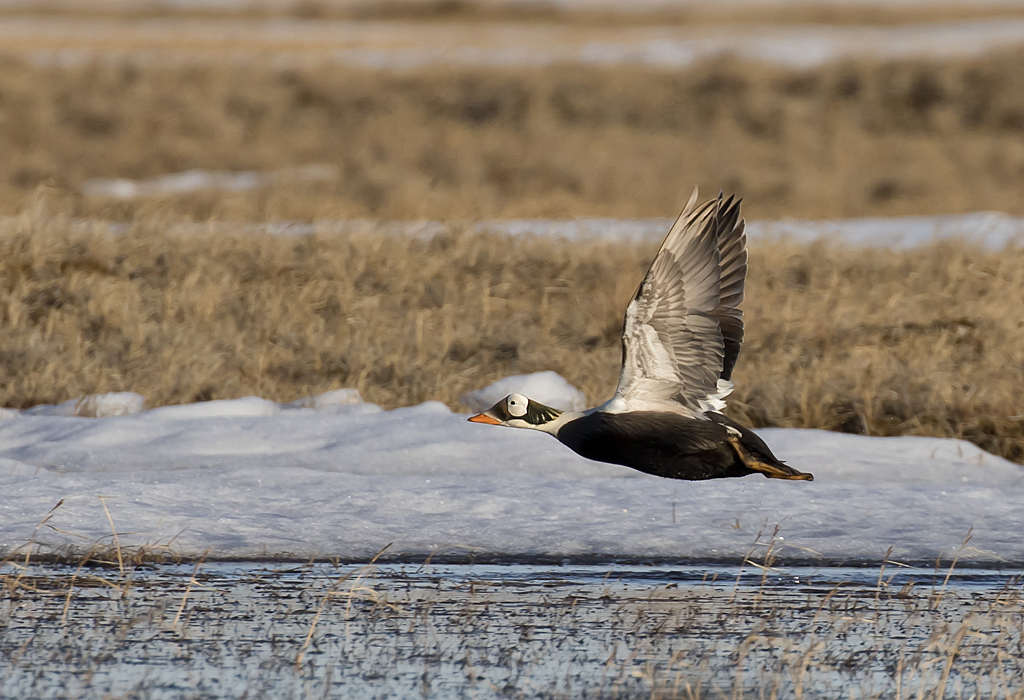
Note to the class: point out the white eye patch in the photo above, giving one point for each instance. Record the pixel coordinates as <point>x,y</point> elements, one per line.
<point>516,405</point>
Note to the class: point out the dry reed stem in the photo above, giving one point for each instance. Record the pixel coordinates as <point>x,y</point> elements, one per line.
<point>23,567</point>
<point>188,589</point>
<point>956,557</point>
<point>117,541</point>
<point>940,691</point>
<point>71,584</point>
<point>359,573</point>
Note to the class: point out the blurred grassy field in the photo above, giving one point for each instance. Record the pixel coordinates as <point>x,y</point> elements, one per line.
<point>920,342</point>
<point>846,140</point>
<point>927,342</point>
<point>582,13</point>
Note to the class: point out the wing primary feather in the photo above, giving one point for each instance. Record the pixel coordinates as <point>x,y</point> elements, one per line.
<point>674,349</point>
<point>733,252</point>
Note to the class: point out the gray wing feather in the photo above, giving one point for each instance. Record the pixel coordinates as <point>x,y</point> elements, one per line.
<point>682,329</point>
<point>732,248</point>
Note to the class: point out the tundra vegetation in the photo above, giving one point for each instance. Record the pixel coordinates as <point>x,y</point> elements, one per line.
<point>926,341</point>
<point>852,139</point>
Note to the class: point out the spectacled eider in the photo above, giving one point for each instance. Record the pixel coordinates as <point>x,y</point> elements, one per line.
<point>680,340</point>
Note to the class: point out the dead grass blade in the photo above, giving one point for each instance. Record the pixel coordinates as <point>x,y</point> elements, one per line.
<point>117,541</point>
<point>188,589</point>
<point>326,597</point>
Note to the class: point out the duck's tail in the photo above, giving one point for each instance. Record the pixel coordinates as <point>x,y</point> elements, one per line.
<point>775,469</point>
<point>755,454</point>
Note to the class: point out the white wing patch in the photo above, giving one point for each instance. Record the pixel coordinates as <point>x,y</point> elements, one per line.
<point>654,357</point>
<point>716,401</point>
<point>673,343</point>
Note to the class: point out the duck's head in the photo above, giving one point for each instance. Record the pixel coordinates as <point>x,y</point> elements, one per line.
<point>517,411</point>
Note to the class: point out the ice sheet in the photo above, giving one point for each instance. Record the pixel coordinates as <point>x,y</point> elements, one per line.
<point>248,478</point>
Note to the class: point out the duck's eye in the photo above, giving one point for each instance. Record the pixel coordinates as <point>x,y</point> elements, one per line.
<point>517,407</point>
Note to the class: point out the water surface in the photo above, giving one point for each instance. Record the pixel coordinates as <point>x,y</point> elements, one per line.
<point>363,631</point>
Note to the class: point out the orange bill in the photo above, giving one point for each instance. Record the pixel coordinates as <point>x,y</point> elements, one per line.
<point>484,418</point>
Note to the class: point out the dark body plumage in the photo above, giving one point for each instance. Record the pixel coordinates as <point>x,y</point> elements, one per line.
<point>665,444</point>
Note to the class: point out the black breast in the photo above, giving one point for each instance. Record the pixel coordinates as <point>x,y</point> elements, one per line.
<point>663,444</point>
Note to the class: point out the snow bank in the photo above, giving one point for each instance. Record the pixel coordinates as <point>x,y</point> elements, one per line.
<point>199,180</point>
<point>330,399</point>
<point>406,45</point>
<point>991,230</point>
<point>548,388</point>
<point>92,406</point>
<point>248,478</point>
<point>229,408</point>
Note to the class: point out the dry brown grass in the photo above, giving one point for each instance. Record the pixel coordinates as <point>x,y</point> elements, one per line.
<point>848,140</point>
<point>926,342</point>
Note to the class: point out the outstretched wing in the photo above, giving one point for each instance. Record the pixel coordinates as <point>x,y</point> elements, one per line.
<point>683,330</point>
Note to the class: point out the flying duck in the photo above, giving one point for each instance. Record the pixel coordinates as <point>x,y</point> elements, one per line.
<point>680,340</point>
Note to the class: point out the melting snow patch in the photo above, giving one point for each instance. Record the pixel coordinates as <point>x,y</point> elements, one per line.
<point>548,388</point>
<point>199,180</point>
<point>229,408</point>
<point>330,399</point>
<point>245,479</point>
<point>404,45</point>
<point>92,406</point>
<point>991,230</point>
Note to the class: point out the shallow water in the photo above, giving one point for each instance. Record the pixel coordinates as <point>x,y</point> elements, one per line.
<point>257,629</point>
